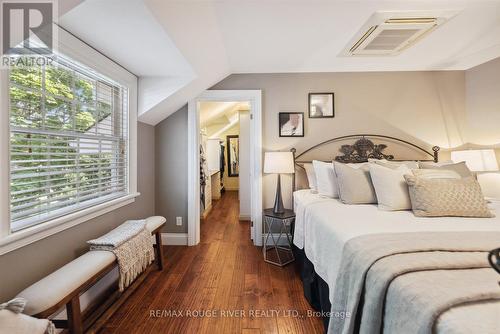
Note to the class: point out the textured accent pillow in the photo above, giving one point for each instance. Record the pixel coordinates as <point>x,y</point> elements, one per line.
<point>311,177</point>
<point>395,164</point>
<point>390,187</point>
<point>437,164</point>
<point>447,197</point>
<point>355,184</point>
<point>436,174</point>
<point>325,179</point>
<point>461,168</point>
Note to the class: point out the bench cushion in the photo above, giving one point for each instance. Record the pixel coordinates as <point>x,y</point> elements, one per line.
<point>50,290</point>
<point>152,223</point>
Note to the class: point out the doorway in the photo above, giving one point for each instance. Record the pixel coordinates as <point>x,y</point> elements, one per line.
<point>224,155</point>
<point>213,118</point>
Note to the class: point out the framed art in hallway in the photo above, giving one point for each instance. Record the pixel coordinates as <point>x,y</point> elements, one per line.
<point>291,124</point>
<point>321,105</point>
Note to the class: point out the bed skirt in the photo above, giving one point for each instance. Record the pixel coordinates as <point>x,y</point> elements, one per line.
<point>316,290</point>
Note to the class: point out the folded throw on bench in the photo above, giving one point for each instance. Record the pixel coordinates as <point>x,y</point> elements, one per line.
<point>132,244</point>
<point>12,321</point>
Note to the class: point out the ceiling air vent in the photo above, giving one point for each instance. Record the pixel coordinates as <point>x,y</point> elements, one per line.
<point>389,33</point>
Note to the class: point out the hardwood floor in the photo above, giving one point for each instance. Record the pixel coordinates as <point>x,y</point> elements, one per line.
<point>224,276</point>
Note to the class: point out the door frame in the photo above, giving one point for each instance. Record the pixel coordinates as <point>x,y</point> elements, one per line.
<point>255,99</point>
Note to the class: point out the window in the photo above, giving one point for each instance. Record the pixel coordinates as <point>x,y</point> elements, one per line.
<point>68,141</point>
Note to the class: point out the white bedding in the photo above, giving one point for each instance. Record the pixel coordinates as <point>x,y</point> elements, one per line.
<point>324,225</point>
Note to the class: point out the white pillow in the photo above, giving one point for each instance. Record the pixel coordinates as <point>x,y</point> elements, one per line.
<point>390,187</point>
<point>326,180</point>
<point>311,177</point>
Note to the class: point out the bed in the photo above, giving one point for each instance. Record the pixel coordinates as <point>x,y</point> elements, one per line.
<point>332,242</point>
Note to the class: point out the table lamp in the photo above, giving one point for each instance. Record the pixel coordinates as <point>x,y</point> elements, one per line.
<point>279,163</point>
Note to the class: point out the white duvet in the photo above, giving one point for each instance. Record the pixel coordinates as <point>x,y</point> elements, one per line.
<point>324,225</point>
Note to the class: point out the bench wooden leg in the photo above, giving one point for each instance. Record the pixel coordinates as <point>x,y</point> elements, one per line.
<point>159,250</point>
<point>75,324</point>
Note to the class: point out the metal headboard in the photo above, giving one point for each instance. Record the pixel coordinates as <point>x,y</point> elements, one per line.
<point>362,150</point>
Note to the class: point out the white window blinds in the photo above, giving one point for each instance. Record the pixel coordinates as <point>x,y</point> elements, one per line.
<point>68,141</point>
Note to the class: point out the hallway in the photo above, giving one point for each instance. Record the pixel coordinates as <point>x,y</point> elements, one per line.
<point>225,277</point>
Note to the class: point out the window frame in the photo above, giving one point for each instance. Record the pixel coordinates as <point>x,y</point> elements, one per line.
<point>75,49</point>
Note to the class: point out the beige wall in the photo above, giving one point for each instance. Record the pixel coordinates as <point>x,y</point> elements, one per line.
<point>427,108</point>
<point>483,105</point>
<point>22,267</point>
<point>171,170</point>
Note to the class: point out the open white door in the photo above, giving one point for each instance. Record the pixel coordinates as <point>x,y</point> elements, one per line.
<point>254,128</point>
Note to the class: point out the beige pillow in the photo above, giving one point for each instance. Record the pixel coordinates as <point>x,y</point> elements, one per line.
<point>447,197</point>
<point>354,183</point>
<point>436,174</point>
<point>395,164</point>
<point>461,168</point>
<point>311,177</point>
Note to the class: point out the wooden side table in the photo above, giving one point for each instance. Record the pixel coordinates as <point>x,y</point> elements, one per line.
<point>278,250</point>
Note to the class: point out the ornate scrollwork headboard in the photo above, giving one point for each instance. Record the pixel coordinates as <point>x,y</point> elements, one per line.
<point>365,148</point>
<point>362,150</point>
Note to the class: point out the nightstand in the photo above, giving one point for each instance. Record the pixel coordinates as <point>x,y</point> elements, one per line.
<point>277,247</point>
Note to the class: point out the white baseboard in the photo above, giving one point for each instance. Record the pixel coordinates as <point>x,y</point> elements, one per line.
<point>174,239</point>
<point>282,242</point>
<point>245,217</point>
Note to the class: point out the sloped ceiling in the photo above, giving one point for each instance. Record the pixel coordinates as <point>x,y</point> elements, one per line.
<point>180,48</point>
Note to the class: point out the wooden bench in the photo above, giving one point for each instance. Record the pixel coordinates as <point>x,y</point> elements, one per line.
<point>64,287</point>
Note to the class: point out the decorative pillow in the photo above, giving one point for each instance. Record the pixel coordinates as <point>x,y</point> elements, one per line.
<point>395,164</point>
<point>325,179</point>
<point>447,197</point>
<point>461,168</point>
<point>355,184</point>
<point>311,177</point>
<point>436,174</point>
<point>390,187</point>
<point>436,164</point>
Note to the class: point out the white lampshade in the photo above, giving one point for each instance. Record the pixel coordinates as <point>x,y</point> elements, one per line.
<point>279,163</point>
<point>477,160</point>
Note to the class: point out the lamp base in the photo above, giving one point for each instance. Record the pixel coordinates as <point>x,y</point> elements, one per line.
<point>278,201</point>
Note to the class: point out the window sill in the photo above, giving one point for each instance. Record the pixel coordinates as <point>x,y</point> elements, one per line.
<point>30,235</point>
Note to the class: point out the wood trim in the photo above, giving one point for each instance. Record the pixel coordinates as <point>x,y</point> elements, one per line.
<point>77,292</point>
<point>97,307</point>
<point>159,250</point>
<point>75,323</point>
<point>59,323</point>
<point>111,309</point>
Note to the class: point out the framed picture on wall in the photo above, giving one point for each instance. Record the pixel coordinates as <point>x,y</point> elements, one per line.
<point>291,124</point>
<point>321,105</point>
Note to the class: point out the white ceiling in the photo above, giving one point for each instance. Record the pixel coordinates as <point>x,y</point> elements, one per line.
<point>217,117</point>
<point>180,48</point>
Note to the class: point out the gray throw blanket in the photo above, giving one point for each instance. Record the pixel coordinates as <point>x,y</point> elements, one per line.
<point>415,277</point>
<point>132,244</point>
